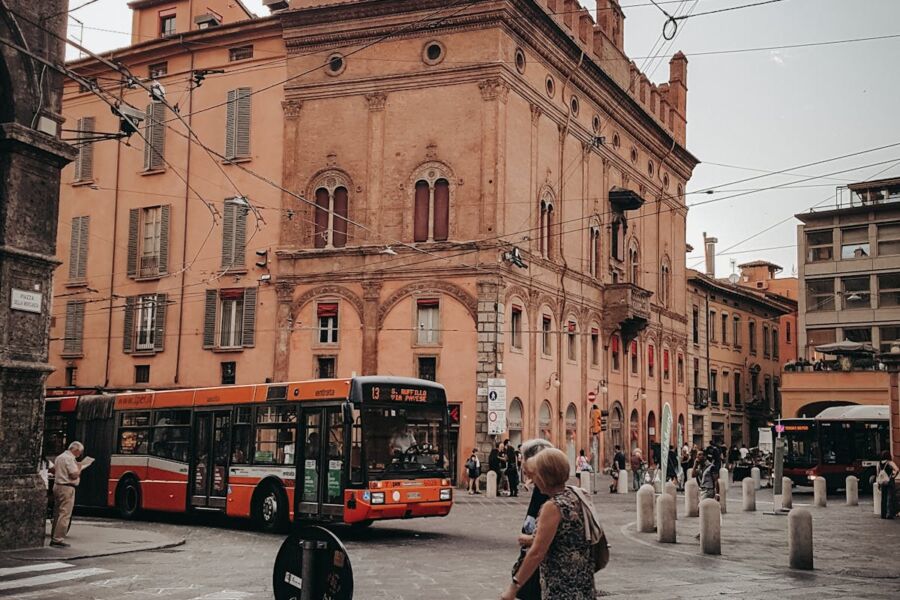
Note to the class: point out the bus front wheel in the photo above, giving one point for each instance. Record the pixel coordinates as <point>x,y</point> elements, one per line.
<point>270,509</point>
<point>128,498</point>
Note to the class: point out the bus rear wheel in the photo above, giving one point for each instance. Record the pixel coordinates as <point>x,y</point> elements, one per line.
<point>128,498</point>
<point>270,510</point>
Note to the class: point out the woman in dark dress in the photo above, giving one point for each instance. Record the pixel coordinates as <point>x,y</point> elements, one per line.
<point>531,589</point>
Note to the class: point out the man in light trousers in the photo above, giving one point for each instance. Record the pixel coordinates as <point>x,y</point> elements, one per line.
<point>67,475</point>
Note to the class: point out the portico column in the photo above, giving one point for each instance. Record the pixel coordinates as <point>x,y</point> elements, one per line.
<point>371,302</point>
<point>284,323</point>
<point>375,160</point>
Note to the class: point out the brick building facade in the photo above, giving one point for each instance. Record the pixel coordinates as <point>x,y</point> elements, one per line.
<point>412,155</point>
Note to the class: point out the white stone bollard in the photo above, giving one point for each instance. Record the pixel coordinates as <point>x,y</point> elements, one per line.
<point>710,527</point>
<point>755,476</point>
<point>671,489</point>
<point>787,495</point>
<point>749,488</point>
<point>876,499</point>
<point>723,489</point>
<point>692,498</point>
<point>665,519</point>
<point>623,482</point>
<point>852,488</point>
<point>820,492</point>
<point>646,520</point>
<point>800,539</point>
<point>586,481</point>
<point>491,484</point>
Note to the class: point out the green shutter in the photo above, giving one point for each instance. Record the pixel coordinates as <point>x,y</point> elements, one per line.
<point>74,246</point>
<point>248,329</point>
<point>209,319</point>
<point>159,337</point>
<point>83,226</point>
<point>85,170</point>
<point>74,328</point>
<point>230,119</point>
<point>134,221</point>
<point>128,326</point>
<point>155,137</point>
<point>242,124</point>
<point>228,234</point>
<point>165,211</point>
<point>240,236</point>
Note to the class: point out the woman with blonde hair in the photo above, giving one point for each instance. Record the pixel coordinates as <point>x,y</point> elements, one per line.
<point>559,547</point>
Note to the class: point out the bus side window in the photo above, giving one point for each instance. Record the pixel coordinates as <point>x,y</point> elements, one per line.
<point>356,473</point>
<point>240,436</point>
<point>134,432</point>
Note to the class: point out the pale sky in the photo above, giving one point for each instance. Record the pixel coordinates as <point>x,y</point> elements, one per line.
<point>768,110</point>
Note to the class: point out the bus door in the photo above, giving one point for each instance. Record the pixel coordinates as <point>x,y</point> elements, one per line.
<point>321,470</point>
<point>209,459</point>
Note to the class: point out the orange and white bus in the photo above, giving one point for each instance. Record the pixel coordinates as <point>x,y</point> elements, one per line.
<point>340,450</point>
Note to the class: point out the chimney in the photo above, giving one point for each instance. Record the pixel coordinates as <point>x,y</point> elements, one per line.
<point>709,244</point>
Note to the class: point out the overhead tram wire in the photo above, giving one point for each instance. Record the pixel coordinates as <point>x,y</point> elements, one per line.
<point>670,27</point>
<point>667,46</point>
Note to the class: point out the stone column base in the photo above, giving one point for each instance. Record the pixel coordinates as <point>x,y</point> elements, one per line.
<point>23,506</point>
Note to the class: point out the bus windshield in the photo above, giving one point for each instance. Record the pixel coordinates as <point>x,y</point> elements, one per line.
<point>404,441</point>
<point>801,446</point>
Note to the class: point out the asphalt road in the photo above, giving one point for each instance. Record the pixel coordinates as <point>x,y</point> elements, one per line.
<point>468,555</point>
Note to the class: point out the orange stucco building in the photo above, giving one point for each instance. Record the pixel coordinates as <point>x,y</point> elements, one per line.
<point>492,191</point>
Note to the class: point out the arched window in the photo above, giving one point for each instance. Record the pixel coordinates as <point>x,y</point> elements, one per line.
<point>432,211</point>
<point>665,282</point>
<point>571,435</point>
<point>546,227</point>
<point>634,263</point>
<point>331,212</point>
<point>544,425</point>
<point>594,252</point>
<point>514,422</point>
<point>617,238</point>
<point>635,426</point>
<point>616,418</point>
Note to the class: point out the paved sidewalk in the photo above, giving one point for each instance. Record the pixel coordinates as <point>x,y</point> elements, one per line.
<point>90,539</point>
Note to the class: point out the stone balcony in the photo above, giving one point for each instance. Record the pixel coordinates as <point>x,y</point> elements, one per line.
<point>626,307</point>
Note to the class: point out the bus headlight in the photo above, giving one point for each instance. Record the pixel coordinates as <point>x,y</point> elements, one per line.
<point>446,494</point>
<point>377,497</point>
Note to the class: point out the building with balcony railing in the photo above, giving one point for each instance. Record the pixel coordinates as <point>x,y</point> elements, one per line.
<point>849,268</point>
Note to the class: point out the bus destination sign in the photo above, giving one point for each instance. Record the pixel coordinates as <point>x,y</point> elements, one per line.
<point>399,393</point>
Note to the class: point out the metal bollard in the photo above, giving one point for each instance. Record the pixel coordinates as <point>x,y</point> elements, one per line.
<point>820,492</point>
<point>646,520</point>
<point>852,488</point>
<point>586,480</point>
<point>665,519</point>
<point>787,496</point>
<point>755,476</point>
<point>710,527</point>
<point>800,539</point>
<point>876,499</point>
<point>623,482</point>
<point>491,484</point>
<point>749,488</point>
<point>723,489</point>
<point>692,498</point>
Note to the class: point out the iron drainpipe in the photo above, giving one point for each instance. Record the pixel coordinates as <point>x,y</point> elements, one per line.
<point>112,270</point>
<point>187,192</point>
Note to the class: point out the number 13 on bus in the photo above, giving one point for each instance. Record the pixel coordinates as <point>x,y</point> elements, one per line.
<point>339,450</point>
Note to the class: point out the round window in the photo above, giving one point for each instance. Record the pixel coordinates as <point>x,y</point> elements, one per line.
<point>634,155</point>
<point>433,53</point>
<point>680,191</point>
<point>666,181</point>
<point>595,123</point>
<point>616,141</point>
<point>336,64</point>
<point>551,86</point>
<point>650,168</point>
<point>520,60</point>
<point>574,105</point>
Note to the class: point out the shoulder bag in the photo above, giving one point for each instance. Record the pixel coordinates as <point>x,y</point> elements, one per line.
<point>593,531</point>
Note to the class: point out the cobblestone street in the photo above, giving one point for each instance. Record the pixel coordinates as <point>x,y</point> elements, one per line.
<point>469,555</point>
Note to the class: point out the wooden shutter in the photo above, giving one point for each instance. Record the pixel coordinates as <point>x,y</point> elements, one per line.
<point>78,248</point>
<point>159,338</point>
<point>128,327</point>
<point>228,234</point>
<point>248,329</point>
<point>134,222</point>
<point>155,134</point>
<point>240,236</point>
<point>230,119</point>
<point>441,210</point>
<point>209,319</point>
<point>420,212</point>
<point>74,328</point>
<point>84,164</point>
<point>165,211</point>
<point>242,124</point>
